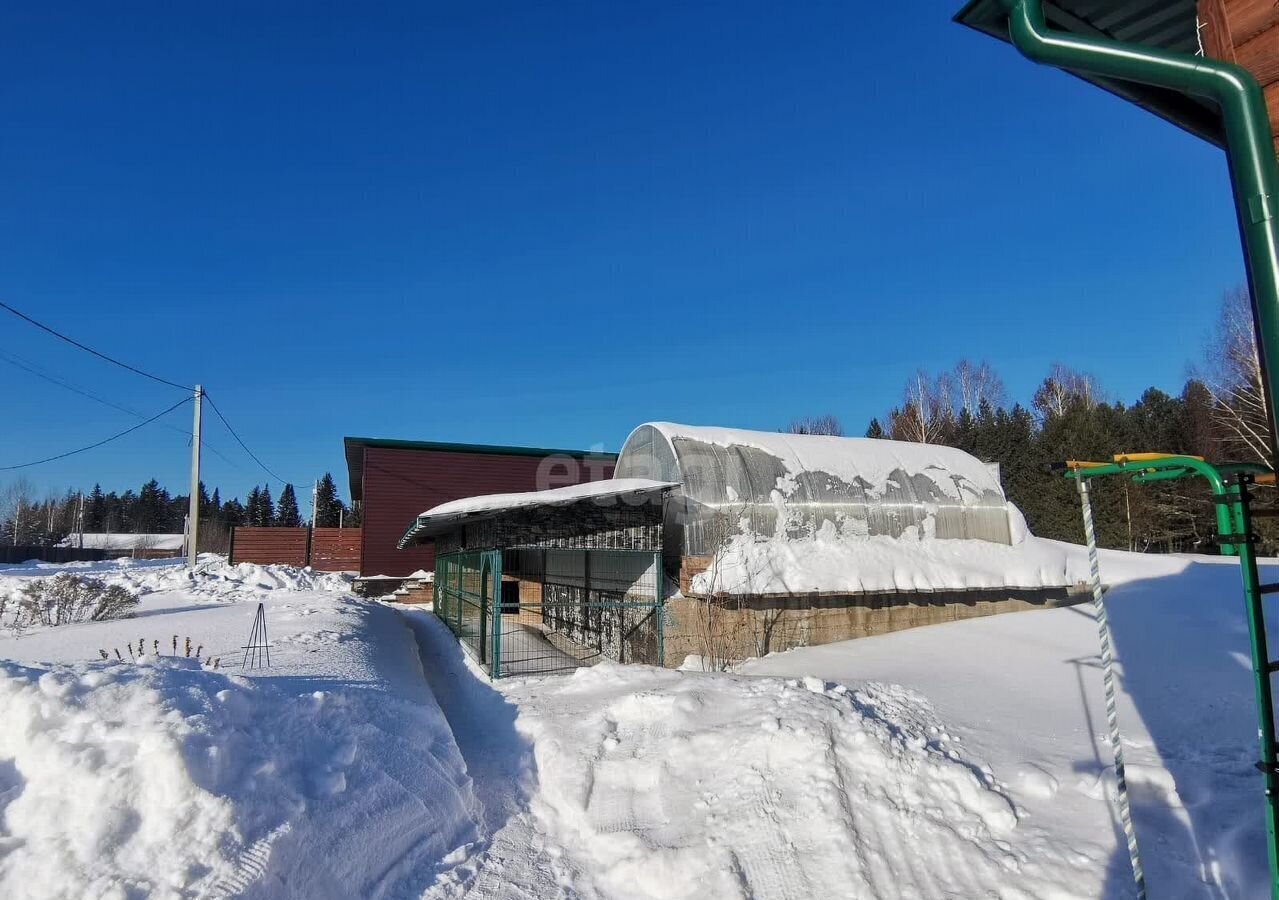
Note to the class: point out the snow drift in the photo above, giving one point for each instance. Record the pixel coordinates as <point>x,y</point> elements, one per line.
<point>663,784</point>
<point>333,774</point>
<point>831,561</point>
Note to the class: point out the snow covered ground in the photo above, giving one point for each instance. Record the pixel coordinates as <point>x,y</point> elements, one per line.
<point>333,774</point>
<point>1022,694</point>
<point>374,760</point>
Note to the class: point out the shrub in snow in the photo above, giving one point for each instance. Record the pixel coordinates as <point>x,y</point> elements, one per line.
<point>66,599</point>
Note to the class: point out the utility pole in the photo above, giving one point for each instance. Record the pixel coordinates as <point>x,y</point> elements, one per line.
<point>315,496</point>
<point>193,517</point>
<point>79,519</point>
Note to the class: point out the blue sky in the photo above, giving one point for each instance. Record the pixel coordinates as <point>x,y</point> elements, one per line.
<point>546,223</point>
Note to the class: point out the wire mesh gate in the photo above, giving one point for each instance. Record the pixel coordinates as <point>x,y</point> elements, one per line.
<point>537,611</point>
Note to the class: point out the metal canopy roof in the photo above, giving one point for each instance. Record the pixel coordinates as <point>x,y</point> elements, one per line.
<point>487,506</point>
<point>1161,24</point>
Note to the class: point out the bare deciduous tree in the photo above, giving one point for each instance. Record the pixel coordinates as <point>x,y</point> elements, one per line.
<point>1233,378</point>
<point>1063,388</point>
<point>974,384</point>
<point>827,424</point>
<point>927,414</point>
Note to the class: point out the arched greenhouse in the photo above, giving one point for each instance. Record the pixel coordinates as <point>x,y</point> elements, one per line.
<point>775,484</point>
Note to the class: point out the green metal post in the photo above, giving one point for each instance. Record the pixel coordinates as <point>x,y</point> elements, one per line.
<point>495,606</point>
<point>1249,148</point>
<point>659,608</point>
<point>1234,526</point>
<point>1261,672</point>
<point>459,566</point>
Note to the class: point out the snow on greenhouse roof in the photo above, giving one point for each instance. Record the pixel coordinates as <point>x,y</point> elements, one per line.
<point>870,461</point>
<point>448,514</point>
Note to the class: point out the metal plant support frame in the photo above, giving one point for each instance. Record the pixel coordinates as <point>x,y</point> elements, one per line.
<point>1229,486</point>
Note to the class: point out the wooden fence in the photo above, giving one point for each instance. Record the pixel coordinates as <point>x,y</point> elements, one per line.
<point>325,549</point>
<point>21,554</point>
<point>335,549</point>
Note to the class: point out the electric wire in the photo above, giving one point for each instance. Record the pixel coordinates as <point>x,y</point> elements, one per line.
<point>240,441</point>
<point>137,371</point>
<point>100,443</point>
<point>88,349</point>
<point>27,366</point>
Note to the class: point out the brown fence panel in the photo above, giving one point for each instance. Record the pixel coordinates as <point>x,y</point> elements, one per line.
<point>335,549</point>
<point>265,546</point>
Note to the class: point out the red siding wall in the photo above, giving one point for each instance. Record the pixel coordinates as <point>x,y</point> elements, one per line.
<point>401,484</point>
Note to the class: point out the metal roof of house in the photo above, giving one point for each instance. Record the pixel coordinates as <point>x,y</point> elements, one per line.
<point>1161,24</point>
<point>473,509</point>
<point>355,454</point>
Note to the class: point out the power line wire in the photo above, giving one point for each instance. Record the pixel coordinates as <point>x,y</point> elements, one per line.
<point>88,349</point>
<point>99,443</point>
<point>26,366</point>
<point>241,442</point>
<point>18,362</point>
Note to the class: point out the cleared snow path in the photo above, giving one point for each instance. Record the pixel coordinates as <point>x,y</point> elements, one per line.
<point>636,783</point>
<point>511,862</point>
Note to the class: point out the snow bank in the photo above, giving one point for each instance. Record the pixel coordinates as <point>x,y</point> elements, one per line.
<point>212,578</point>
<point>662,784</point>
<point>1025,693</point>
<point>330,775</point>
<point>833,562</point>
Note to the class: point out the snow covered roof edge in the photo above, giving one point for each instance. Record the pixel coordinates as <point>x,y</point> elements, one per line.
<point>870,459</point>
<point>485,505</point>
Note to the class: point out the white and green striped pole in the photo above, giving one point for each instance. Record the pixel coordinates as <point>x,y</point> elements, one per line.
<point>1108,677</point>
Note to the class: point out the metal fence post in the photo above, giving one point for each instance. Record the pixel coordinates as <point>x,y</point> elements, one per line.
<point>659,607</point>
<point>495,607</point>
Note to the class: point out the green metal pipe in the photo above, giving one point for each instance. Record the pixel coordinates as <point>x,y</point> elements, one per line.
<point>1249,147</point>
<point>1234,526</point>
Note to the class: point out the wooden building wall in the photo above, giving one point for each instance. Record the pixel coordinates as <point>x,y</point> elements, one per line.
<point>1246,32</point>
<point>399,484</point>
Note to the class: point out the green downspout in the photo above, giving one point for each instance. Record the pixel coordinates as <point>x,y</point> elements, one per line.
<point>1249,146</point>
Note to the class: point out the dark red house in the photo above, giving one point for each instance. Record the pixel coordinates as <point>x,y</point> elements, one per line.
<point>394,481</point>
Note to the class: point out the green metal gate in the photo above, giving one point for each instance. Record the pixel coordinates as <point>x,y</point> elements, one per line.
<point>555,610</point>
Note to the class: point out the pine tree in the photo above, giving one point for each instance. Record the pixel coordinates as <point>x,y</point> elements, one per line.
<point>95,510</point>
<point>149,513</point>
<point>328,506</point>
<point>253,508</point>
<point>875,430</point>
<point>266,508</point>
<point>233,514</point>
<point>286,513</point>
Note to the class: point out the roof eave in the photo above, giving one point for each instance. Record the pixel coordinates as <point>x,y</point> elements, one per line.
<point>423,529</point>
<point>1199,118</point>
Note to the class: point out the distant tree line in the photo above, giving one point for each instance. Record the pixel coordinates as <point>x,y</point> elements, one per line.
<point>31,521</point>
<point>1219,414</point>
